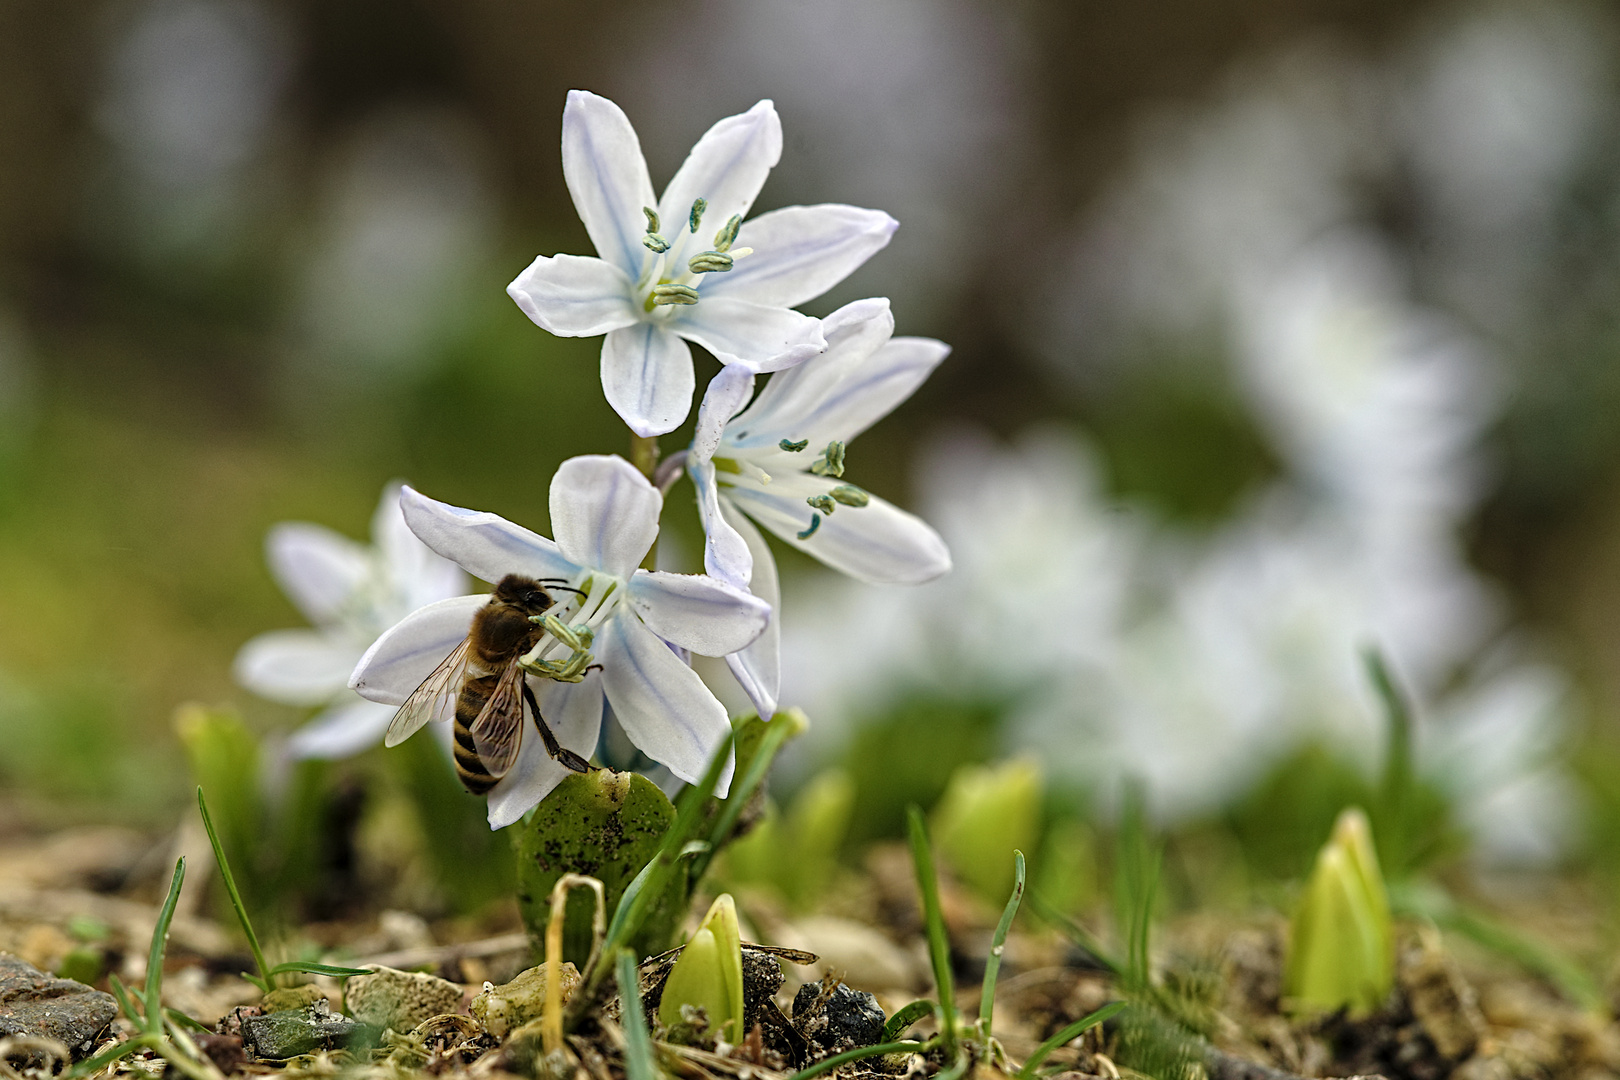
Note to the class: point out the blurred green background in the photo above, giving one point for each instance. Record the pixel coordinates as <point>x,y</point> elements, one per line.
<point>253,254</point>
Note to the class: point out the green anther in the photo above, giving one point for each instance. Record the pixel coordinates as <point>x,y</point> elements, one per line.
<point>815,523</point>
<point>698,206</point>
<point>831,461</point>
<point>652,218</point>
<point>793,447</point>
<point>674,294</point>
<point>710,262</point>
<point>655,243</point>
<point>824,503</point>
<point>575,637</point>
<point>850,495</point>
<point>728,235</point>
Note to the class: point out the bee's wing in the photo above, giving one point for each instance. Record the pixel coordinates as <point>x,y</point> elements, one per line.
<point>435,699</point>
<point>498,731</point>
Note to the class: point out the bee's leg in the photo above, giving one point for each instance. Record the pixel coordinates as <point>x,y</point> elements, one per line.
<point>560,753</point>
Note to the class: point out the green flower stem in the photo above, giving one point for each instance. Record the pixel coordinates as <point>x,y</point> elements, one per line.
<point>644,456</point>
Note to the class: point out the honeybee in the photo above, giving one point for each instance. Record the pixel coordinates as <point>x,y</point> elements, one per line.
<point>482,686</point>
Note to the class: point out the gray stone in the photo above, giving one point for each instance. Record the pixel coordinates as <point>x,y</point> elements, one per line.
<point>387,998</point>
<point>836,1017</point>
<point>286,1034</point>
<point>34,1003</point>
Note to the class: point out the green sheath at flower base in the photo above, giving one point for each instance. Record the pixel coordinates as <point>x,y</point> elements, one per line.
<point>1341,950</point>
<point>708,974</point>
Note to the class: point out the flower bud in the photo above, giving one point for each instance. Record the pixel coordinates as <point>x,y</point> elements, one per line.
<point>708,974</point>
<point>1341,950</point>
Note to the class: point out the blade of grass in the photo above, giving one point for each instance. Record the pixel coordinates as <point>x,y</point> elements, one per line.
<point>906,1017</point>
<point>1067,1035</point>
<point>939,946</point>
<point>639,1063</point>
<point>777,731</point>
<point>92,1065</point>
<point>120,993</point>
<point>154,958</point>
<point>1395,804</point>
<point>307,968</point>
<point>829,1064</point>
<point>992,964</point>
<point>175,1016</point>
<point>1077,934</point>
<point>265,981</point>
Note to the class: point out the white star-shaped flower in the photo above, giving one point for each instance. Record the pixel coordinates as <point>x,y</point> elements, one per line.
<point>605,516</point>
<point>351,593</point>
<point>780,462</point>
<point>688,267</point>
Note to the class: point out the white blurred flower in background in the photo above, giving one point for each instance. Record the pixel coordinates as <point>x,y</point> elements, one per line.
<point>351,593</point>
<point>1197,661</point>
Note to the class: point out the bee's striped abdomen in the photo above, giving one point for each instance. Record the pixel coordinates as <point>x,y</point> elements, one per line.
<point>469,703</point>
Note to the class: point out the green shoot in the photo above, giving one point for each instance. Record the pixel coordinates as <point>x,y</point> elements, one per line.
<point>154,957</point>
<point>939,948</point>
<point>266,980</point>
<point>1136,889</point>
<point>639,1063</point>
<point>992,965</point>
<point>1066,1036</point>
<point>860,1052</point>
<point>906,1017</point>
<point>1396,802</point>
<point>1342,948</point>
<point>1077,934</point>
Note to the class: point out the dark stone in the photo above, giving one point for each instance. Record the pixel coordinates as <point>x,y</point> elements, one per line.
<point>34,1003</point>
<point>225,1051</point>
<point>286,1034</point>
<point>834,1018</point>
<point>762,978</point>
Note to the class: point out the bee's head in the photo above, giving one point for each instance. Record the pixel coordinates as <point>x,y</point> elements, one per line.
<point>523,592</point>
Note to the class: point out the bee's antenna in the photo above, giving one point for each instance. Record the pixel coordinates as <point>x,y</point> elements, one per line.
<point>568,588</point>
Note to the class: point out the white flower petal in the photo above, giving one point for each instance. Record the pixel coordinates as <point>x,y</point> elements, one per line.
<point>725,554</point>
<point>660,702</point>
<point>878,543</point>
<point>575,296</point>
<point>344,730</point>
<point>482,543</point>
<point>758,668</point>
<point>750,335</point>
<point>296,667</point>
<point>854,334</point>
<point>647,377</point>
<point>800,252</point>
<point>726,394</point>
<point>573,711</point>
<point>727,168</point>
<point>316,567</point>
<point>407,653</point>
<point>607,176</point>
<point>698,612</point>
<point>604,512</point>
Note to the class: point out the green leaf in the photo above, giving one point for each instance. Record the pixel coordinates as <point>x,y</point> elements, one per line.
<point>708,974</point>
<point>608,825</point>
<point>857,1054</point>
<point>906,1017</point>
<point>1341,949</point>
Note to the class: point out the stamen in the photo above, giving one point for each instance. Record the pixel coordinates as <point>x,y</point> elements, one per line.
<point>850,495</point>
<point>728,235</point>
<point>674,294</point>
<point>698,206</point>
<point>655,243</point>
<point>652,218</point>
<point>793,447</point>
<point>831,461</point>
<point>815,523</point>
<point>824,503</point>
<point>710,262</point>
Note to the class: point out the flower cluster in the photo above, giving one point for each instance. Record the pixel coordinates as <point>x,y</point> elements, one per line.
<point>611,636</point>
